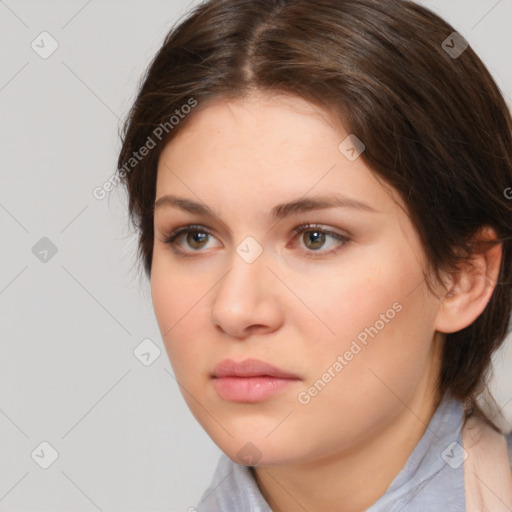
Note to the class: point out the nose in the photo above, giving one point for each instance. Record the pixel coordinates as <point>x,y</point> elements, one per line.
<point>246,299</point>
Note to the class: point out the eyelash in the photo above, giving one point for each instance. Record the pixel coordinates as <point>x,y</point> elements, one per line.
<point>195,228</point>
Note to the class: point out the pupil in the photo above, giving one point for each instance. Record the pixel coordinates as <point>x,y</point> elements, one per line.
<point>194,236</point>
<point>315,237</point>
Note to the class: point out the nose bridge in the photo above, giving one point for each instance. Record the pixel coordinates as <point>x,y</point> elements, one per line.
<point>247,271</point>
<point>244,296</point>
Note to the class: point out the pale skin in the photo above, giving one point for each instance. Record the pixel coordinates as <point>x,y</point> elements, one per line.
<point>299,306</point>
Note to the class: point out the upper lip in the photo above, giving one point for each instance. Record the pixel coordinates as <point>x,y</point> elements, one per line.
<point>249,368</point>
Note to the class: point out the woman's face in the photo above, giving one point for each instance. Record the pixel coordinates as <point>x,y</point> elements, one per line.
<point>342,305</point>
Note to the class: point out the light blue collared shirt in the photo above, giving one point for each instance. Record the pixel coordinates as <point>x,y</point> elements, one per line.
<point>431,480</point>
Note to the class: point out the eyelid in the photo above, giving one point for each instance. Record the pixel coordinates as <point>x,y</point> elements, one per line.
<point>320,227</point>
<point>342,239</point>
<point>175,233</point>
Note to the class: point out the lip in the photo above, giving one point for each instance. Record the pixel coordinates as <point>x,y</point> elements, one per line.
<point>250,380</point>
<point>250,368</point>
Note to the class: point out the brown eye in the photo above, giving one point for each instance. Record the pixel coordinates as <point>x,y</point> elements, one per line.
<point>313,239</point>
<point>191,239</point>
<point>196,239</point>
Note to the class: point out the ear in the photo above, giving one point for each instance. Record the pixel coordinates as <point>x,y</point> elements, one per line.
<point>469,289</point>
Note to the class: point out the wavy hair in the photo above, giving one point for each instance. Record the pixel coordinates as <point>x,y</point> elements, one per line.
<point>435,126</point>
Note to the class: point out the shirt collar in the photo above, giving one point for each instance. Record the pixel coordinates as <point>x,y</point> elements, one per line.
<point>432,478</point>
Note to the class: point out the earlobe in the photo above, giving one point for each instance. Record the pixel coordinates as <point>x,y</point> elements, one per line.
<point>471,287</point>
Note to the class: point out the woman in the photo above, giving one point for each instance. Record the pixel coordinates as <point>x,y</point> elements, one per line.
<point>320,194</point>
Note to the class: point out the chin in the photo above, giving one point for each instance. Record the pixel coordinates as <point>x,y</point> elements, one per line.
<point>259,452</point>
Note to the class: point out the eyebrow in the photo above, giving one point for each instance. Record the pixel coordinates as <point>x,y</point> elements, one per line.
<point>278,212</point>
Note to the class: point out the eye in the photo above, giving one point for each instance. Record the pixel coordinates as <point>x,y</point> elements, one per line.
<point>314,237</point>
<point>196,238</point>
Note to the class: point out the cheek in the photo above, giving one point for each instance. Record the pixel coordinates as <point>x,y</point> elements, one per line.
<point>383,359</point>
<point>173,298</point>
<point>173,291</point>
<point>163,296</point>
<point>346,300</point>
<point>182,308</point>
<point>375,316</point>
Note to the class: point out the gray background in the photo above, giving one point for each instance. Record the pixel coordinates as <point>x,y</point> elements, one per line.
<point>69,325</point>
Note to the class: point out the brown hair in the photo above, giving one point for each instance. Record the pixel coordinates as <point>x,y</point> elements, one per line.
<point>435,125</point>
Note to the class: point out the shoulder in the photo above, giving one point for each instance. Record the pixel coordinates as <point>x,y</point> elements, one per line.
<point>509,449</point>
<point>233,487</point>
<point>218,496</point>
<point>487,468</point>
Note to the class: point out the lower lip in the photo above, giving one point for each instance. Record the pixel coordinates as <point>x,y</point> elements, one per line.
<point>249,389</point>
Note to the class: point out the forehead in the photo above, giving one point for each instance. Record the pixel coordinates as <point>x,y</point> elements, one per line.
<point>263,146</point>
<point>258,113</point>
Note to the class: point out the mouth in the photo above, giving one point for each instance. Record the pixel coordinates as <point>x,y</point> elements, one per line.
<point>250,380</point>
